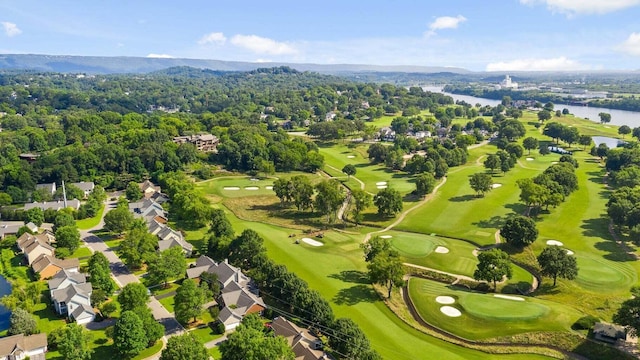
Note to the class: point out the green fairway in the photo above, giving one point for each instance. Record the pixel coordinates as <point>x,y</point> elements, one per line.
<point>337,270</point>
<point>486,315</point>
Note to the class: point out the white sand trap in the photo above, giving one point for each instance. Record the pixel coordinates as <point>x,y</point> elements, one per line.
<point>516,298</point>
<point>269,187</point>
<point>253,188</point>
<point>569,252</point>
<point>381,186</point>
<point>529,159</point>
<point>386,237</point>
<point>554,243</point>
<point>312,242</point>
<point>231,188</point>
<point>442,250</point>
<point>445,300</point>
<point>450,311</point>
<point>350,156</point>
<point>495,186</point>
<point>379,183</point>
<point>254,179</point>
<point>554,162</point>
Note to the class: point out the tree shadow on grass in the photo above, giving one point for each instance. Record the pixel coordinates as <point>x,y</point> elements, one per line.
<point>494,222</point>
<point>519,288</point>
<point>545,289</point>
<point>518,208</point>
<point>463,198</point>
<point>351,276</point>
<point>597,227</point>
<point>615,251</point>
<point>355,294</point>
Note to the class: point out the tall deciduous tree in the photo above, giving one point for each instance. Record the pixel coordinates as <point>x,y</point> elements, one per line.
<point>137,246</point>
<point>530,143</point>
<point>555,262</point>
<point>329,198</point>
<point>492,162</point>
<point>493,266</point>
<point>129,336</point>
<point>624,130</point>
<point>189,300</point>
<point>118,220</point>
<point>425,183</point>
<point>184,347</point>
<point>167,264</point>
<point>480,183</point>
<point>73,342</point>
<point>519,231</point>
<point>133,296</point>
<point>627,315</point>
<point>348,339</point>
<point>349,169</point>
<point>246,249</point>
<point>376,245</point>
<point>361,200</point>
<point>133,191</point>
<point>21,322</point>
<point>34,215</point>
<point>250,342</point>
<point>605,117</point>
<point>388,201</point>
<point>220,225</point>
<point>100,273</point>
<point>68,237</point>
<point>302,192</point>
<point>386,269</point>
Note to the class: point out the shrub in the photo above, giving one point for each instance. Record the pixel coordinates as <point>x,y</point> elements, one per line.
<point>585,323</point>
<point>218,328</point>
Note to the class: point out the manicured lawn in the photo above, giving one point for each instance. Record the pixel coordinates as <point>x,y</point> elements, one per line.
<point>205,334</point>
<point>215,353</point>
<point>487,316</point>
<point>337,270</point>
<point>88,223</point>
<point>113,244</point>
<point>237,186</point>
<point>168,303</point>
<point>81,252</point>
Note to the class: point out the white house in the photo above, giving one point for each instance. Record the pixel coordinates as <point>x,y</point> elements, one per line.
<point>71,296</point>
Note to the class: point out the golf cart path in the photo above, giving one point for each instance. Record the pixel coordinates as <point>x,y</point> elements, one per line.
<point>352,176</point>
<point>406,212</point>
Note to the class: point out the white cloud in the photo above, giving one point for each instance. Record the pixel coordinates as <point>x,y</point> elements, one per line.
<point>552,64</point>
<point>263,60</point>
<point>160,56</point>
<point>11,29</point>
<point>631,45</point>
<point>262,45</point>
<point>213,38</point>
<point>572,7</point>
<point>445,22</point>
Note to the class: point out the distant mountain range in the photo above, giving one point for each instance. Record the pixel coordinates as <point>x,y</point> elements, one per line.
<point>120,64</point>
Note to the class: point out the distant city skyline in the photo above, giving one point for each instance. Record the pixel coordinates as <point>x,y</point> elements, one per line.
<point>509,35</point>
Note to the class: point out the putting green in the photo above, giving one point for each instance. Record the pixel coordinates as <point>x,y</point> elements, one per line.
<point>410,245</point>
<point>485,316</point>
<point>595,274</point>
<point>237,186</point>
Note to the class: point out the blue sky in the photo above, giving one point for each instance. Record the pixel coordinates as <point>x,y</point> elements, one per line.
<point>477,35</point>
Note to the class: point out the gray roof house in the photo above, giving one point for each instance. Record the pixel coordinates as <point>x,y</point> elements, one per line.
<point>9,228</point>
<point>49,188</point>
<point>74,300</point>
<point>169,238</point>
<point>148,209</point>
<point>55,205</point>
<point>65,278</point>
<point>305,345</point>
<point>86,187</point>
<point>19,347</point>
<point>609,333</point>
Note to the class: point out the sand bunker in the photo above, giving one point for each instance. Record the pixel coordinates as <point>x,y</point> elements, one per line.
<point>350,156</point>
<point>381,186</point>
<point>254,179</point>
<point>554,243</point>
<point>386,237</point>
<point>231,188</point>
<point>269,187</point>
<point>495,186</point>
<point>450,311</point>
<point>252,188</point>
<point>516,298</point>
<point>381,183</point>
<point>569,252</point>
<point>554,162</point>
<point>442,250</point>
<point>445,300</point>
<point>312,242</point>
<point>529,159</point>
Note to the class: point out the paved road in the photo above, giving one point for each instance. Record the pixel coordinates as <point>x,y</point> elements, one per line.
<point>122,276</point>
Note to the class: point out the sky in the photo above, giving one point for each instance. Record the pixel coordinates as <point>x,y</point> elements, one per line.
<point>479,35</point>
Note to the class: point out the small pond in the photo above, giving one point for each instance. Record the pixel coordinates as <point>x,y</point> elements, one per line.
<point>611,143</point>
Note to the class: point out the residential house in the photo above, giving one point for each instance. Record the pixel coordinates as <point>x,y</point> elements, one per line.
<point>149,210</point>
<point>169,238</point>
<point>609,333</point>
<point>55,205</point>
<point>9,228</point>
<point>47,266</point>
<point>86,187</point>
<point>202,142</point>
<point>48,188</point>
<point>386,134</point>
<point>20,347</point>
<point>305,345</point>
<point>239,297</point>
<point>159,198</point>
<point>32,227</point>
<point>148,189</point>
<point>71,295</point>
<point>34,246</point>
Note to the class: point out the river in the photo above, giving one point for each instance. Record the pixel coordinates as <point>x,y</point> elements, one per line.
<point>5,289</point>
<point>618,117</point>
